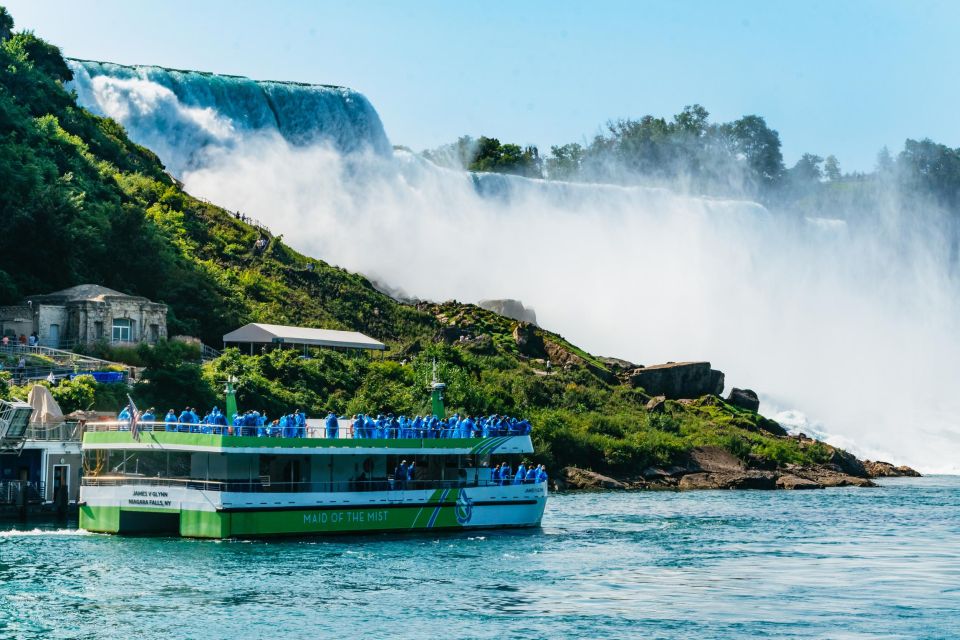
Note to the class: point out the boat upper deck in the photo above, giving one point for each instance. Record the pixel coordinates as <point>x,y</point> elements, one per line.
<point>312,441</point>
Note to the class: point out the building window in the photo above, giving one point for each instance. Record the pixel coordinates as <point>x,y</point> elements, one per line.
<point>98,330</point>
<point>122,329</point>
<point>154,333</point>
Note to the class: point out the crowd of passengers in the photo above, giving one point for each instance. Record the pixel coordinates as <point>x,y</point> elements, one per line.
<point>389,426</point>
<point>501,474</point>
<point>294,425</point>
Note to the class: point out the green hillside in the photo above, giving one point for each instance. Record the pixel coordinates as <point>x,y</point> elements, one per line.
<point>81,203</point>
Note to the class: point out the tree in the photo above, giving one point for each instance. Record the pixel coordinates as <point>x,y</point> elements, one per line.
<point>6,24</point>
<point>46,57</point>
<point>692,120</point>
<point>492,156</point>
<point>760,146</point>
<point>831,168</point>
<point>884,160</point>
<point>565,161</point>
<point>807,170</point>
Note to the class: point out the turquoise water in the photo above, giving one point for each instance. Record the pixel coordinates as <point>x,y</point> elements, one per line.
<point>841,563</point>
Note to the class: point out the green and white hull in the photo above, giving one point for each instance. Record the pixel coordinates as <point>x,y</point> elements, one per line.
<point>223,491</point>
<point>199,513</point>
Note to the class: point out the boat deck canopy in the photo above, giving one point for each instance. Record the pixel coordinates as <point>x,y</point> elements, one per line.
<point>258,333</point>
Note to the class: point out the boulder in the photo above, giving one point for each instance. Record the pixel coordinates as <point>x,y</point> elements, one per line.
<point>764,480</point>
<point>657,404</point>
<point>617,364</point>
<point>847,463</point>
<point>529,341</point>
<point>744,398</point>
<point>715,460</point>
<point>831,478</point>
<point>880,469</point>
<point>677,380</point>
<point>796,483</point>
<point>576,478</point>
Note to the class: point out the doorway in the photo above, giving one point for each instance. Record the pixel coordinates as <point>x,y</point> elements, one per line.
<point>54,334</point>
<point>61,483</point>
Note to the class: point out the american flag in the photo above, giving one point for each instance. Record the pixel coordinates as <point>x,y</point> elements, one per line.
<point>134,420</point>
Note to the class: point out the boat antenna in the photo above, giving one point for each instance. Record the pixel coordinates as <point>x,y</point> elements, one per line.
<point>436,394</point>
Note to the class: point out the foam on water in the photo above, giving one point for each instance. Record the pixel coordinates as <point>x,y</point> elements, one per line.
<point>43,533</point>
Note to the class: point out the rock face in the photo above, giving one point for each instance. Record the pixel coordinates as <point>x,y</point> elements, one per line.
<point>576,478</point>
<point>511,309</point>
<point>880,469</point>
<point>677,380</point>
<point>529,341</point>
<point>744,398</point>
<point>764,480</point>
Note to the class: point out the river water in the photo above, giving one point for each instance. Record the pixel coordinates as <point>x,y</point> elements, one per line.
<point>837,563</point>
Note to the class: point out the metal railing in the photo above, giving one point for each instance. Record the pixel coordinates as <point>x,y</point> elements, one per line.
<point>265,485</point>
<point>21,492</point>
<point>311,432</point>
<point>70,431</point>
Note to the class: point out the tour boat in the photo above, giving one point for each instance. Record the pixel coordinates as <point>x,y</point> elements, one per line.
<point>223,484</point>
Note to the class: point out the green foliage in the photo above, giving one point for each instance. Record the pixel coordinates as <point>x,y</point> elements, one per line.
<point>79,393</point>
<point>6,24</point>
<point>172,376</point>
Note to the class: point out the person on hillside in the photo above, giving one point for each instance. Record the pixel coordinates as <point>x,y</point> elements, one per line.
<point>23,339</point>
<point>21,369</point>
<point>6,341</point>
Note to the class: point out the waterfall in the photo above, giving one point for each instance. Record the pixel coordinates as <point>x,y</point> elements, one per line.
<point>185,115</point>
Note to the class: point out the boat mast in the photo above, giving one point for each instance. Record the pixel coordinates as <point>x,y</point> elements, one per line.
<point>436,394</point>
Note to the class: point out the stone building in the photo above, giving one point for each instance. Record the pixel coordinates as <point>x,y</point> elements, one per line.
<point>84,314</point>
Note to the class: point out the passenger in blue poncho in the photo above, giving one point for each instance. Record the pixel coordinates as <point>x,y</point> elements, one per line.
<point>521,474</point>
<point>171,421</point>
<point>148,416</point>
<point>332,425</point>
<point>184,420</point>
<point>505,473</point>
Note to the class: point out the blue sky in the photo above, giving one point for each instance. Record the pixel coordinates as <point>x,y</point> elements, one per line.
<point>831,77</point>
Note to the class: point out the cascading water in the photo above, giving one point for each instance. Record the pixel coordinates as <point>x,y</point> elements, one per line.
<point>183,114</point>
<point>855,325</point>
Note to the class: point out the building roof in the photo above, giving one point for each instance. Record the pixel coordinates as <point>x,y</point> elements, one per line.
<point>257,333</point>
<point>91,292</point>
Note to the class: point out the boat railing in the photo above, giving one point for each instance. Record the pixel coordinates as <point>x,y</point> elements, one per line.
<point>311,432</point>
<point>69,431</point>
<point>262,485</point>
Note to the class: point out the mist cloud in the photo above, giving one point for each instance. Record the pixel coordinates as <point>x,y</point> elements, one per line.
<point>847,329</point>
